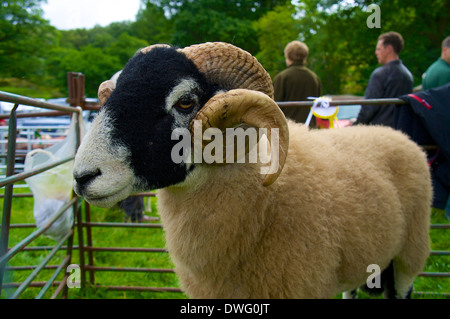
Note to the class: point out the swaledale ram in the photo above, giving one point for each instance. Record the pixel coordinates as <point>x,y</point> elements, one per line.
<point>338,201</point>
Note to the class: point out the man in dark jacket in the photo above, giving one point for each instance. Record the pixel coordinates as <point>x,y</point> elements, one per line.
<point>391,80</point>
<point>296,82</point>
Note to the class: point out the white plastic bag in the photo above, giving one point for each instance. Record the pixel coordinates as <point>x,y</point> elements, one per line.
<point>53,188</point>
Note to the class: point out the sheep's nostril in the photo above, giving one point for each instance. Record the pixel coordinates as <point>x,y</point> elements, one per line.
<point>86,178</point>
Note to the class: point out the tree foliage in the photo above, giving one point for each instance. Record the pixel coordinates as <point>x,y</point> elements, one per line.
<point>217,20</point>
<point>275,29</point>
<point>152,25</point>
<point>240,9</point>
<point>24,38</point>
<point>341,44</point>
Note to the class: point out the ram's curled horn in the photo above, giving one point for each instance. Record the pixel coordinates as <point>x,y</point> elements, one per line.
<point>235,107</point>
<point>238,71</point>
<point>230,67</point>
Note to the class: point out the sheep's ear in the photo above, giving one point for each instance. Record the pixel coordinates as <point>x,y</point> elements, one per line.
<point>104,91</point>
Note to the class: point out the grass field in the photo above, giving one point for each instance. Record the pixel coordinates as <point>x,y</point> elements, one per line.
<point>22,213</point>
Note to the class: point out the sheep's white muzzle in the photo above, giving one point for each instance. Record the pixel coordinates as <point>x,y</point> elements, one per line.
<point>103,190</point>
<point>102,175</point>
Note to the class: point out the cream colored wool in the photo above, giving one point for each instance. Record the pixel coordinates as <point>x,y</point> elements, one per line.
<point>346,199</point>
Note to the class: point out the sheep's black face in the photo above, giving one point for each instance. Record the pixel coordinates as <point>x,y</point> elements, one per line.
<point>129,146</point>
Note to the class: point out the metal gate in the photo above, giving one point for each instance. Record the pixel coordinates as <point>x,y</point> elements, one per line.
<point>7,253</point>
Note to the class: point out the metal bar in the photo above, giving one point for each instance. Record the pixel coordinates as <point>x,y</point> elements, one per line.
<point>136,225</point>
<point>50,282</point>
<point>7,203</point>
<point>440,226</point>
<point>22,176</point>
<point>153,289</point>
<point>77,212</point>
<point>36,114</point>
<point>22,226</point>
<point>12,252</point>
<point>81,249</point>
<point>18,99</point>
<point>39,248</point>
<point>342,103</point>
<point>76,87</point>
<point>125,249</point>
<point>134,195</point>
<point>17,155</point>
<point>36,284</point>
<point>38,269</point>
<point>128,269</point>
<point>89,106</point>
<point>422,293</point>
<point>440,253</point>
<point>69,248</point>
<point>44,248</point>
<point>89,242</point>
<point>132,225</point>
<point>19,268</point>
<point>434,274</point>
<point>77,130</point>
<point>61,286</point>
<point>18,195</point>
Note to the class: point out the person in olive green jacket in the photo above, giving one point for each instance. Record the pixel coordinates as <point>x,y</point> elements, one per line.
<point>296,82</point>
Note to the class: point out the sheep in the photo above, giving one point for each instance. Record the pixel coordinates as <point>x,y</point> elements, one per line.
<point>338,201</point>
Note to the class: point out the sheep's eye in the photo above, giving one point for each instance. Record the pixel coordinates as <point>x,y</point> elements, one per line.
<point>185,104</point>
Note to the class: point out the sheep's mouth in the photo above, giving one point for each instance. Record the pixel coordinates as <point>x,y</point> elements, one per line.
<point>107,200</point>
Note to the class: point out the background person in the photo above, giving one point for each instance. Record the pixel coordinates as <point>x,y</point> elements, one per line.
<point>296,82</point>
<point>438,73</point>
<point>134,209</point>
<point>391,80</point>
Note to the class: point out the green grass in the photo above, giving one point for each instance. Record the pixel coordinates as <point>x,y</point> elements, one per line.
<point>154,238</point>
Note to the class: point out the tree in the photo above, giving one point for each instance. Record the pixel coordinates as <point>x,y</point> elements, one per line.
<point>125,47</point>
<point>115,29</point>
<point>25,38</point>
<point>197,21</point>
<point>151,24</point>
<point>95,64</point>
<point>75,39</point>
<point>241,9</point>
<point>275,29</point>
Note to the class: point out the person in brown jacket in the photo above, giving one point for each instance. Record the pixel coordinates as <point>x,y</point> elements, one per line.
<point>296,82</point>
